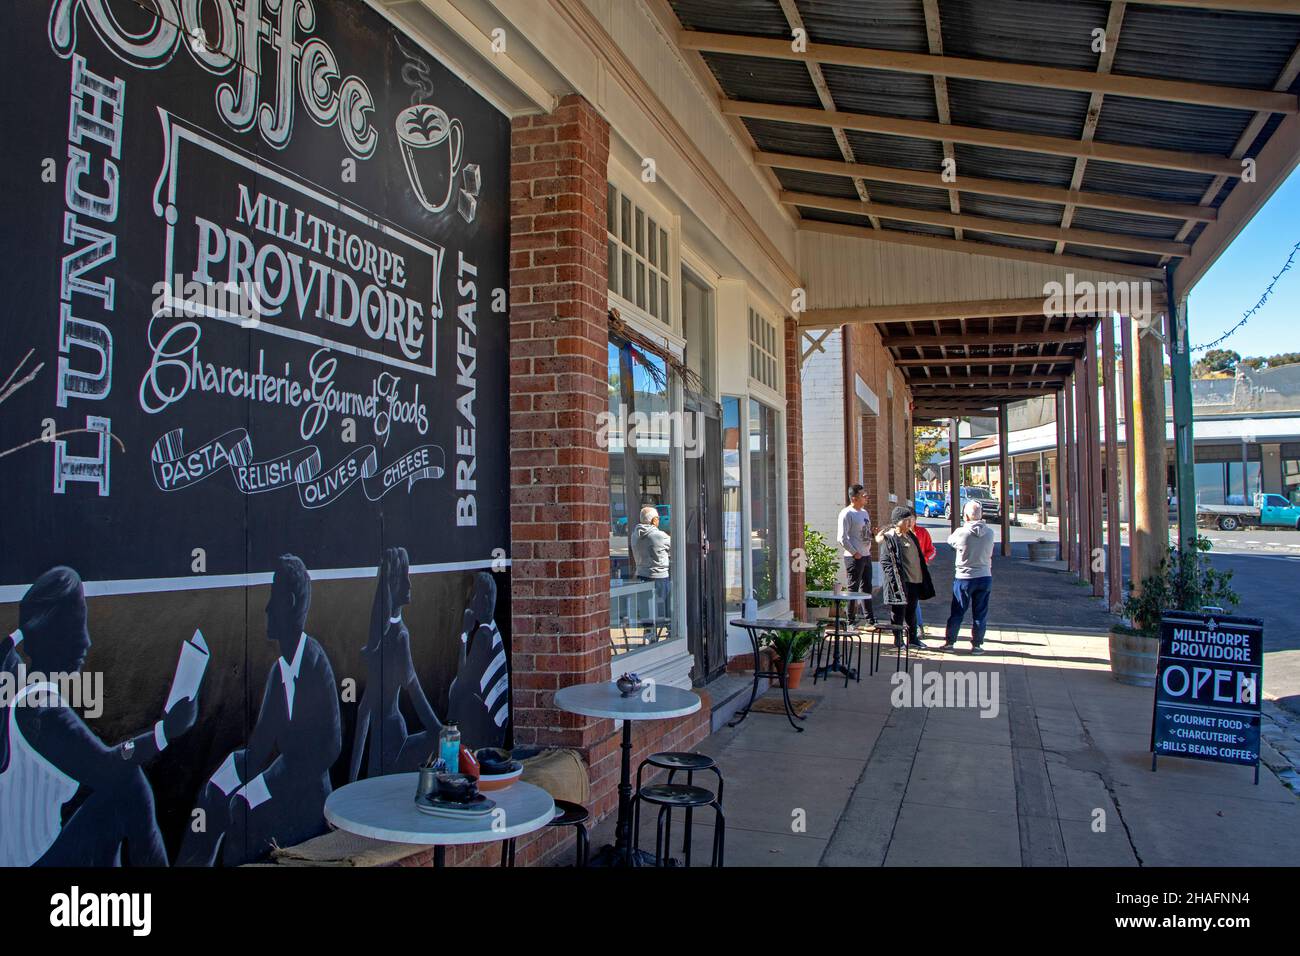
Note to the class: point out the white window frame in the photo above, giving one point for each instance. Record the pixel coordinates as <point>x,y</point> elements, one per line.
<point>633,189</point>
<point>769,395</point>
<point>689,261</point>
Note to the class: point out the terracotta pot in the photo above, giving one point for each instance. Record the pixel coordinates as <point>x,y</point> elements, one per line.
<point>793,674</point>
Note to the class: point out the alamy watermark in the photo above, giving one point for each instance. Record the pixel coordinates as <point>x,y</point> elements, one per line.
<point>922,688</point>
<point>1085,298</point>
<point>82,690</point>
<point>651,431</point>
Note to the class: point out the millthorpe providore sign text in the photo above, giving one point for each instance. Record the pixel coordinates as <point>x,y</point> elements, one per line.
<point>1208,682</point>
<point>260,263</point>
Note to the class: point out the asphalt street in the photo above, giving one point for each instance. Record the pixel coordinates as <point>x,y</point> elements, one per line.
<point>1265,566</point>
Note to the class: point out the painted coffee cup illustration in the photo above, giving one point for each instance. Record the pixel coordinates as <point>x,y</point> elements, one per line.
<point>431,148</point>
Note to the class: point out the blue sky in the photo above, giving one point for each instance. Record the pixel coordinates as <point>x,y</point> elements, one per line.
<point>1237,280</point>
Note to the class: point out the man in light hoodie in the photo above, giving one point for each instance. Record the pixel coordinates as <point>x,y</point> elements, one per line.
<point>972,577</point>
<point>651,550</point>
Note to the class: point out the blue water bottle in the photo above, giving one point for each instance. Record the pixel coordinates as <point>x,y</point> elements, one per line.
<point>449,747</point>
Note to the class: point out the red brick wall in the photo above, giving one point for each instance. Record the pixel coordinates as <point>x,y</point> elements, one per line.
<point>559,472</point>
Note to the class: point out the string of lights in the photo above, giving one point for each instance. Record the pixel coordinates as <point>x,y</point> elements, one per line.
<point>1257,306</point>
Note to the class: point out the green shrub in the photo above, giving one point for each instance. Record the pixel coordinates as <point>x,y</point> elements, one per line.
<point>823,564</point>
<point>1183,582</point>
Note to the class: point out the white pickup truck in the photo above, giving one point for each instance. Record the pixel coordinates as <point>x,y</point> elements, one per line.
<point>1268,511</point>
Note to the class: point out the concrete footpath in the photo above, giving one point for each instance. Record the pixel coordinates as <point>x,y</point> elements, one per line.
<point>1059,774</point>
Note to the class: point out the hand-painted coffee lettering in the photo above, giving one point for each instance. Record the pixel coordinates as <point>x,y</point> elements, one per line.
<point>305,66</point>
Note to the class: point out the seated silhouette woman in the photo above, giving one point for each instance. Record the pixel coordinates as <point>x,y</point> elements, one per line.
<point>66,798</point>
<point>275,788</point>
<point>389,671</point>
<point>479,698</point>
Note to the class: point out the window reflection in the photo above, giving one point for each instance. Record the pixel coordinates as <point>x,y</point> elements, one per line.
<point>640,492</point>
<point>764,498</point>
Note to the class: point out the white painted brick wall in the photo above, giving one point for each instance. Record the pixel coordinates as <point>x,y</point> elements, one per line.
<point>823,435</point>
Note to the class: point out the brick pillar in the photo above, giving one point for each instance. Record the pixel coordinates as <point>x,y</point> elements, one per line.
<point>794,455</point>
<point>559,474</point>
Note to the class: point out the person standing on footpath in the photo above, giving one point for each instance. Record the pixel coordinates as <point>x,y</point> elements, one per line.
<point>927,553</point>
<point>905,579</point>
<point>854,534</point>
<point>972,577</point>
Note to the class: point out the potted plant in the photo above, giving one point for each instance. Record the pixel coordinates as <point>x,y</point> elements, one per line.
<point>1183,582</point>
<point>792,647</point>
<point>822,566</point>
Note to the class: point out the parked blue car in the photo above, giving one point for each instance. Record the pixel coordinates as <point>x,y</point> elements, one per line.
<point>928,504</point>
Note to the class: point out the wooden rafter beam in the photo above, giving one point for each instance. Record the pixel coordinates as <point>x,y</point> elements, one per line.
<point>981,360</point>
<point>1009,188</point>
<point>926,311</point>
<point>1203,163</point>
<point>988,393</point>
<point>1114,20</point>
<point>1003,227</point>
<point>1247,138</point>
<point>984,338</point>
<point>994,71</point>
<point>795,21</point>
<point>934,37</point>
<point>1079,263</point>
<point>987,380</point>
<point>1231,6</point>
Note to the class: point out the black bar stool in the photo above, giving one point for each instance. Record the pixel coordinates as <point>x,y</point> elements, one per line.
<point>675,761</point>
<point>567,815</point>
<point>673,796</point>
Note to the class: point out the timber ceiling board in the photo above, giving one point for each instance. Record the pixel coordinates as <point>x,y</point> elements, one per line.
<point>1211,87</point>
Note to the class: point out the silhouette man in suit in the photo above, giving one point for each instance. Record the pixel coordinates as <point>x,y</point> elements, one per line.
<point>275,788</point>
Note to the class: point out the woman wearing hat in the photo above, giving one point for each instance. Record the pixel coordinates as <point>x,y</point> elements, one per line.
<point>906,577</point>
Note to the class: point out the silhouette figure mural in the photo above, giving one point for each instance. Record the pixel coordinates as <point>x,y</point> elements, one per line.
<point>480,694</point>
<point>67,798</point>
<point>275,788</point>
<point>390,671</point>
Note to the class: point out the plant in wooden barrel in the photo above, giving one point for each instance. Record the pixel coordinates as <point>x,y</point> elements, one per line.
<point>1183,582</point>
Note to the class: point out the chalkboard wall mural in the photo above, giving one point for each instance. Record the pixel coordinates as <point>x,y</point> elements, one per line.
<point>253,393</point>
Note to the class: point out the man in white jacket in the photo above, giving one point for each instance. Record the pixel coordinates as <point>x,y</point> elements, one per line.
<point>972,580</point>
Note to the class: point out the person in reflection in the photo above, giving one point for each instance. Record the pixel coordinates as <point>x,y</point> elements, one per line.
<point>275,788</point>
<point>67,799</point>
<point>390,670</point>
<point>479,698</point>
<point>905,577</point>
<point>652,552</point>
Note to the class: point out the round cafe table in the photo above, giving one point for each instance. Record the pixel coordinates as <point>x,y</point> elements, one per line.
<point>603,699</point>
<point>756,628</point>
<point>383,808</point>
<point>838,599</point>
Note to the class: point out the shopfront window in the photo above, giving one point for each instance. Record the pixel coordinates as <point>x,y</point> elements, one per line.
<point>1252,487</point>
<point>733,517</point>
<point>765,524</point>
<point>641,553</point>
<point>638,247</point>
<point>1291,479</point>
<point>1209,483</point>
